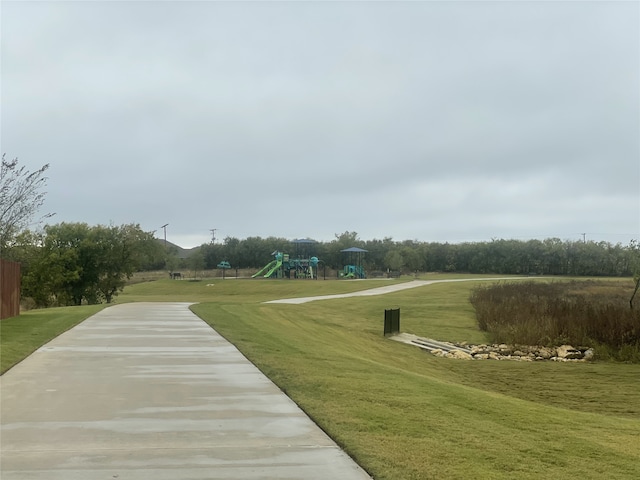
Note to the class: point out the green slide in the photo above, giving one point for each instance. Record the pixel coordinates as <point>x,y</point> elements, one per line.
<point>276,267</point>
<point>265,268</point>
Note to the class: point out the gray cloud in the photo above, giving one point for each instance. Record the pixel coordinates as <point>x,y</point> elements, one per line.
<point>441,121</point>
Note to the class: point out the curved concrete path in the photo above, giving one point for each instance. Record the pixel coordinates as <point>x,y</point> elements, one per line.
<point>149,391</point>
<point>384,290</point>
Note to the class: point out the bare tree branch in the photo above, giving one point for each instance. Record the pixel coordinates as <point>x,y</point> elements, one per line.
<point>21,196</point>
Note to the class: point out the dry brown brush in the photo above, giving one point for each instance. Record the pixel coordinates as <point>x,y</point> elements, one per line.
<point>580,313</point>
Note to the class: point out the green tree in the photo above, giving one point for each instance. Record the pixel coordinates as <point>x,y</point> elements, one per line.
<point>212,254</point>
<point>393,260</point>
<point>231,251</point>
<point>172,262</point>
<point>151,253</point>
<point>554,257</point>
<point>196,263</point>
<point>342,241</point>
<point>54,273</point>
<point>376,251</point>
<point>118,251</point>
<point>76,263</point>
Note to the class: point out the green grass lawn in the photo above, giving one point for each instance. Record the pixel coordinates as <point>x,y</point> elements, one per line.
<point>240,290</point>
<point>21,336</point>
<point>405,414</point>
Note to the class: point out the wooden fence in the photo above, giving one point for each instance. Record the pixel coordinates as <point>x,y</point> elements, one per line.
<point>9,289</point>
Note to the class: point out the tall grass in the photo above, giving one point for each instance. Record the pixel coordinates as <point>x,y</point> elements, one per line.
<point>580,313</point>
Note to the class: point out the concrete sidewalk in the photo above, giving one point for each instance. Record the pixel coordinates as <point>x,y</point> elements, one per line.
<point>396,287</point>
<point>149,391</point>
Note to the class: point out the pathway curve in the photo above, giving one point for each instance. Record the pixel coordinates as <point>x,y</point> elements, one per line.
<point>146,391</point>
<point>384,290</point>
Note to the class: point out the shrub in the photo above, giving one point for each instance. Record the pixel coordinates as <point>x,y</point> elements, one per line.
<point>580,313</point>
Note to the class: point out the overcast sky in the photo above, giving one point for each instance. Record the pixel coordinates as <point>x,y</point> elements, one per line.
<point>435,121</point>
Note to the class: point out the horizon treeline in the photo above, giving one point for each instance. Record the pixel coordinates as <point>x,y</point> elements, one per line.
<point>551,256</point>
<point>74,263</point>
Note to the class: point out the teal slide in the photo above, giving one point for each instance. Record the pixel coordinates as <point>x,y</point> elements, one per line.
<point>276,267</point>
<point>265,268</point>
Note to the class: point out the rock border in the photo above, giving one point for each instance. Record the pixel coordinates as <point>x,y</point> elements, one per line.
<point>519,353</point>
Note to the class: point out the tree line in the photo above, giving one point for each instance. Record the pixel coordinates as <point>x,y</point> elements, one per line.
<point>74,263</point>
<point>542,257</point>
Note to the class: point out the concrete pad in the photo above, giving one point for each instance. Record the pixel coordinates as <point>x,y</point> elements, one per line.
<point>149,391</point>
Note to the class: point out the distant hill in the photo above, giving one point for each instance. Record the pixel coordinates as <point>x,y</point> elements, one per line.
<point>180,252</point>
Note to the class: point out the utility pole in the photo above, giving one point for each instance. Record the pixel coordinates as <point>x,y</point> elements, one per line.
<point>213,235</point>
<point>584,237</point>
<point>164,227</point>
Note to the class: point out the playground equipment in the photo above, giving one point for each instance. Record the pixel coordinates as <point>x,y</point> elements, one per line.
<point>285,267</point>
<point>272,268</point>
<point>354,263</point>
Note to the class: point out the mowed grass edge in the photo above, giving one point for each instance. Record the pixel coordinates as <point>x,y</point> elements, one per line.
<point>22,335</point>
<point>404,414</point>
